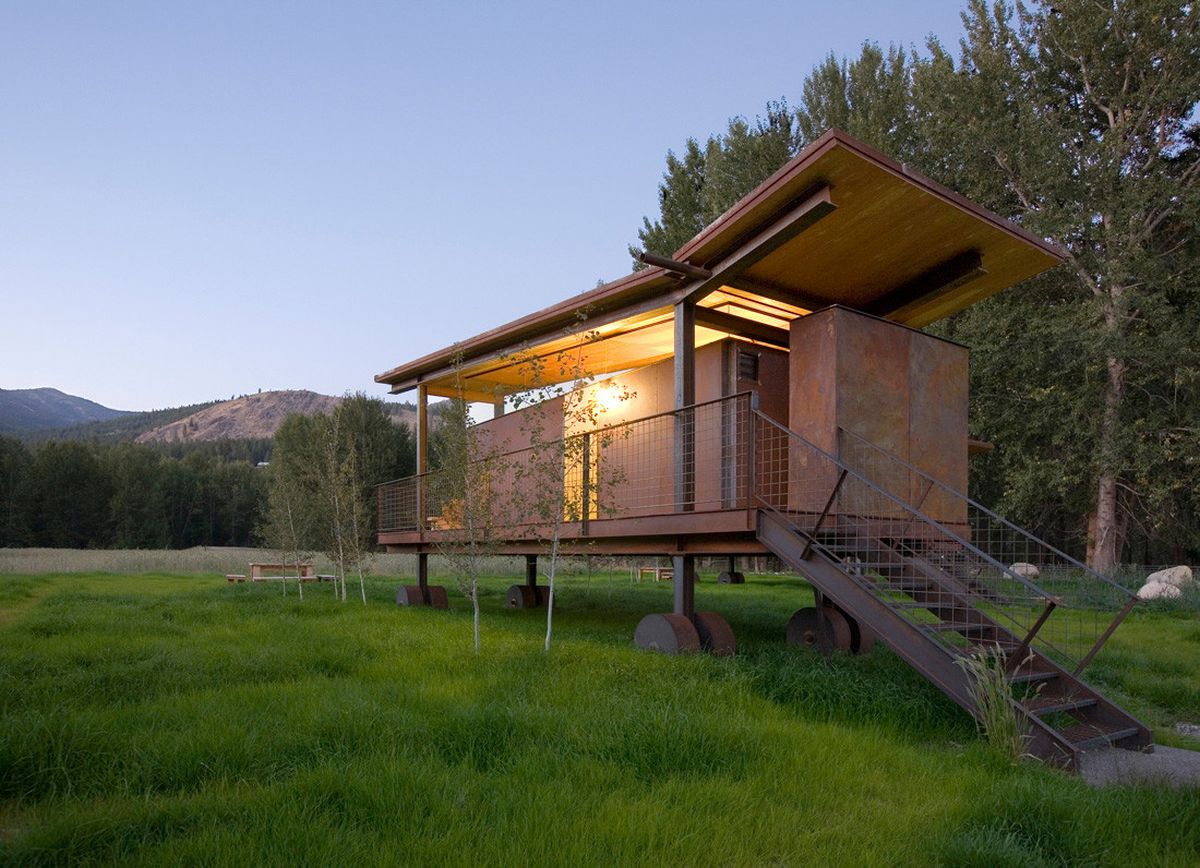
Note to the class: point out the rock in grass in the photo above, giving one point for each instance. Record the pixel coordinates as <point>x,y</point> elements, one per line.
<point>1025,571</point>
<point>1177,576</point>
<point>1191,730</point>
<point>1159,591</point>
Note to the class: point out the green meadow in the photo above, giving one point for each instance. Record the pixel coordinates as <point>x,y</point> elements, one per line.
<point>177,719</point>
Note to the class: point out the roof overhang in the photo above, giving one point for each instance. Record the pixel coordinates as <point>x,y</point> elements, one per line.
<point>839,224</point>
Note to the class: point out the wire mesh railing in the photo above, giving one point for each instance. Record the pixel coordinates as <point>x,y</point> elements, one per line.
<point>962,574</point>
<point>1088,604</point>
<point>938,559</point>
<point>624,470</point>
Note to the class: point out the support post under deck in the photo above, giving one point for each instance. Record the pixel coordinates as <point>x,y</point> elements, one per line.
<point>423,576</point>
<point>684,578</point>
<point>531,570</point>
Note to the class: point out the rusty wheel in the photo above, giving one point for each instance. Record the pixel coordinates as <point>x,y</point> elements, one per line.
<point>525,597</point>
<point>803,629</point>
<point>716,636</point>
<point>862,638</point>
<point>668,634</point>
<point>437,597</point>
<point>409,595</point>
<point>728,578</point>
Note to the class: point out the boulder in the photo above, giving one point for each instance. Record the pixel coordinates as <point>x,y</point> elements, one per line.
<point>1159,591</point>
<point>1177,576</point>
<point>1025,571</point>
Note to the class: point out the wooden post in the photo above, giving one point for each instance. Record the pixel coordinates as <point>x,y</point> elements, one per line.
<point>498,406</point>
<point>531,570</point>
<point>422,452</point>
<point>684,580</point>
<point>685,396</point>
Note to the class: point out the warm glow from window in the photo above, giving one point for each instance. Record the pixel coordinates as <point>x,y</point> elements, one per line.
<point>609,397</point>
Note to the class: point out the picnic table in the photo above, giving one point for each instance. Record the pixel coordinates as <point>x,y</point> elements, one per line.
<point>280,573</point>
<point>659,574</point>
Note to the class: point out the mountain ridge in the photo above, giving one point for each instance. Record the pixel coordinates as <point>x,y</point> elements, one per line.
<point>248,417</point>
<point>24,410</point>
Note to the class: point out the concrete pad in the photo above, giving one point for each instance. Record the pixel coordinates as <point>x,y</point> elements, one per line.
<point>1173,766</point>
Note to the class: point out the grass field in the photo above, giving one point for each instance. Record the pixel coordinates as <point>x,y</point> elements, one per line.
<point>171,718</point>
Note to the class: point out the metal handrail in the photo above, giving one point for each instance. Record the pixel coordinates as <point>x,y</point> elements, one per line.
<point>983,509</point>
<point>603,430</point>
<point>1031,634</point>
<point>909,507</point>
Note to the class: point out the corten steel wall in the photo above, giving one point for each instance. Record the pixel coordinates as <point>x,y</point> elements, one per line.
<point>900,389</point>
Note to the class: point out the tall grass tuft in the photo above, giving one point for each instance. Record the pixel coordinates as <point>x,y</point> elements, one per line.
<point>996,707</point>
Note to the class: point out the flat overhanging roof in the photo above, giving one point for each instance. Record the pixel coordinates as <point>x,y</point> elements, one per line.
<point>839,224</point>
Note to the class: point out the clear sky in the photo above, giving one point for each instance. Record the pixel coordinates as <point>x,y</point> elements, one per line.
<point>201,199</point>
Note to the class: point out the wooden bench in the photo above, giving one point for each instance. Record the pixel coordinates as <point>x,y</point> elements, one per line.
<point>283,573</point>
<point>280,573</point>
<point>659,574</point>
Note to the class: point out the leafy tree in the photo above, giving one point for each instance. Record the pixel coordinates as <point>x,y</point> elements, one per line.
<point>705,182</point>
<point>869,97</point>
<point>66,497</point>
<point>137,510</point>
<point>324,470</point>
<point>467,486</point>
<point>1077,120</point>
<point>680,205</point>
<point>561,478</point>
<point>15,461</point>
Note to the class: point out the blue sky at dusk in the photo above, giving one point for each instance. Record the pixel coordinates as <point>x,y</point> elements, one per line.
<point>204,199</point>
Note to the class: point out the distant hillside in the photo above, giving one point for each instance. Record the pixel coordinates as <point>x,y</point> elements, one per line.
<point>252,417</point>
<point>123,429</point>
<point>31,409</point>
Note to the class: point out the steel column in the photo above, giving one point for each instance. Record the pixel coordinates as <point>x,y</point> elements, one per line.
<point>423,575</point>
<point>685,396</point>
<point>684,578</point>
<point>422,453</point>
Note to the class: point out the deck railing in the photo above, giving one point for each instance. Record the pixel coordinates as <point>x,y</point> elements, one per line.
<point>889,522</point>
<point>938,550</point>
<point>624,470</point>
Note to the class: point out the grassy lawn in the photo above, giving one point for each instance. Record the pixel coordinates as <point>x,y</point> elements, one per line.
<point>150,719</point>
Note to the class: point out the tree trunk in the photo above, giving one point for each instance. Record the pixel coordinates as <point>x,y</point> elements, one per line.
<point>475,610</point>
<point>550,596</point>
<point>1106,546</point>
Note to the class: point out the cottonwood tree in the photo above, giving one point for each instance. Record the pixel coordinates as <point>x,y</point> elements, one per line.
<point>340,486</point>
<point>283,529</point>
<point>1078,120</point>
<point>466,487</point>
<point>560,478</point>
<point>324,469</point>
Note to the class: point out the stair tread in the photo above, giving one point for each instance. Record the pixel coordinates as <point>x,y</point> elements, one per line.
<point>959,626</point>
<point>1088,735</point>
<point>1054,704</point>
<point>1039,675</point>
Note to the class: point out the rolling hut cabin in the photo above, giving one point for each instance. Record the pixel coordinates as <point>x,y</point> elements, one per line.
<point>768,390</point>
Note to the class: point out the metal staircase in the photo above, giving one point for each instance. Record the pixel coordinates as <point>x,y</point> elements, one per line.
<point>932,574</point>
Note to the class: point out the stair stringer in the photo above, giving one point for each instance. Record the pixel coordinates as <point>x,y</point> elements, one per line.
<point>1105,711</point>
<point>909,643</point>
